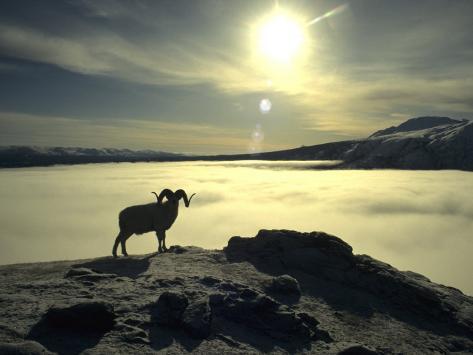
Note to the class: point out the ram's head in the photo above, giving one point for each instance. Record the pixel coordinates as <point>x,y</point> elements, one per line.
<point>173,197</point>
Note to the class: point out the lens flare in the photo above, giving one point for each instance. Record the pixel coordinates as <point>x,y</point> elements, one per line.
<point>265,106</point>
<point>257,136</point>
<point>330,13</point>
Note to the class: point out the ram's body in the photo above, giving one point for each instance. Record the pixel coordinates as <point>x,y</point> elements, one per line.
<point>153,217</point>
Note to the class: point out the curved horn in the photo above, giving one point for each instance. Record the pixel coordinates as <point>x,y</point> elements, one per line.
<point>182,194</point>
<point>165,193</point>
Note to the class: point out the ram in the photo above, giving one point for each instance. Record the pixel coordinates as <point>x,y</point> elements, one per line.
<point>157,217</point>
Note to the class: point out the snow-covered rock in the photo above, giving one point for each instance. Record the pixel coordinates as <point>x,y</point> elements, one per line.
<point>419,143</point>
<point>218,302</point>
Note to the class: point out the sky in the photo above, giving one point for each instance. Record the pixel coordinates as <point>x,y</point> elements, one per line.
<point>189,76</point>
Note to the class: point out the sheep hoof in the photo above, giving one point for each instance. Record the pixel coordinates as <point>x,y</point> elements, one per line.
<point>114,255</point>
<point>125,254</point>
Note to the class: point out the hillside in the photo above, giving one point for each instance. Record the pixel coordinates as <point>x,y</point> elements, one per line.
<point>24,156</point>
<point>431,143</point>
<point>419,143</point>
<point>279,292</point>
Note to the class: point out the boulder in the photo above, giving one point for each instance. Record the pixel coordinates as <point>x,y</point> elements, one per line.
<point>324,256</point>
<point>278,250</point>
<point>216,299</point>
<point>24,348</point>
<point>210,281</point>
<point>257,311</point>
<point>357,350</point>
<point>410,291</point>
<point>84,317</point>
<point>285,284</point>
<point>169,308</point>
<point>80,271</point>
<point>197,318</point>
<point>177,249</point>
<point>87,275</point>
<point>283,240</point>
<point>308,319</point>
<point>173,309</point>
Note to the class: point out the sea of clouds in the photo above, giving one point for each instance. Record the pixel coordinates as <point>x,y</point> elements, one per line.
<point>415,220</point>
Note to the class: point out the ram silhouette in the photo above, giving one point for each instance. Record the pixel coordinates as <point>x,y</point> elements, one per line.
<point>157,217</point>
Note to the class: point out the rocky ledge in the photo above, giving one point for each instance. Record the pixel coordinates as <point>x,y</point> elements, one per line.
<point>278,292</point>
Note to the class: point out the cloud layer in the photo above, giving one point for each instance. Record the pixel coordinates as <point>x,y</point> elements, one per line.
<point>414,220</point>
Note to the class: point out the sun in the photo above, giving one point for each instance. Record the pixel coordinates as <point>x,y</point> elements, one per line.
<point>281,49</point>
<point>280,38</point>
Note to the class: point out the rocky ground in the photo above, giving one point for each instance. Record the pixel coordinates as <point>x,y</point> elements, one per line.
<point>279,292</point>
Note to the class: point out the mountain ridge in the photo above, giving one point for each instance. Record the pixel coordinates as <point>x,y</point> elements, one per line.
<point>418,123</point>
<point>427,142</point>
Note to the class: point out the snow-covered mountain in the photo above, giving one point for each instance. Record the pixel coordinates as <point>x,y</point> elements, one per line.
<point>419,143</point>
<point>20,156</point>
<point>417,124</point>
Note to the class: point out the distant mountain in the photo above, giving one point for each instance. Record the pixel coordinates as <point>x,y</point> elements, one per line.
<point>417,124</point>
<point>22,156</point>
<point>419,143</point>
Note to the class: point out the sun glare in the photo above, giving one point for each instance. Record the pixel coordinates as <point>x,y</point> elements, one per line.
<point>280,38</point>
<point>280,51</point>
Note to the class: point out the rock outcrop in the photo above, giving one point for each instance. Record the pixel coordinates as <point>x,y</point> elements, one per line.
<point>86,317</point>
<point>263,314</point>
<point>173,309</point>
<point>23,348</point>
<point>197,318</point>
<point>169,308</point>
<point>278,292</point>
<point>285,284</point>
<point>328,257</point>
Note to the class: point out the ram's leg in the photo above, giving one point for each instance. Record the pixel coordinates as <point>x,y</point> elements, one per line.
<point>123,239</point>
<point>115,245</point>
<point>159,235</point>
<point>164,241</point>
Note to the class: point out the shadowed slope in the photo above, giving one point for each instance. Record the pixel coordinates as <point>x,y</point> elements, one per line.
<point>317,259</point>
<point>279,292</point>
